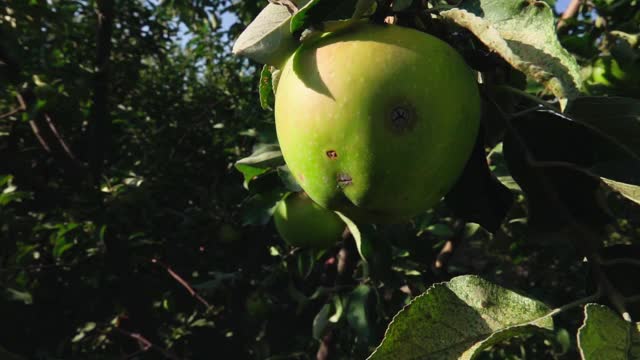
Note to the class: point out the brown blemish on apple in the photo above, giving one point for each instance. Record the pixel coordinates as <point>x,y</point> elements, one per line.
<point>301,177</point>
<point>401,119</point>
<point>332,154</point>
<point>344,179</point>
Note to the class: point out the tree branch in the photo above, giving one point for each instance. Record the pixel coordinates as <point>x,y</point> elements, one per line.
<point>100,129</point>
<point>144,343</point>
<point>449,247</point>
<point>346,261</point>
<point>570,12</point>
<point>57,135</point>
<point>620,261</point>
<point>22,106</point>
<point>38,134</point>
<point>578,230</point>
<point>182,282</point>
<point>13,112</point>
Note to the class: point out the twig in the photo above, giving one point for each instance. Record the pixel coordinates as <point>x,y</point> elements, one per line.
<point>444,254</point>
<point>34,126</point>
<point>144,343</point>
<point>578,229</point>
<point>55,132</point>
<point>36,132</point>
<point>527,96</point>
<point>346,263</point>
<point>631,299</point>
<point>571,305</point>
<point>133,355</point>
<point>100,125</point>
<point>12,112</point>
<point>448,248</point>
<point>182,282</point>
<point>21,107</point>
<point>620,261</point>
<point>570,12</point>
<point>325,350</point>
<point>291,7</point>
<point>616,298</point>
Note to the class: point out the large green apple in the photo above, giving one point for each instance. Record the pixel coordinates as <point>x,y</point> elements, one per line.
<point>301,222</point>
<point>377,121</point>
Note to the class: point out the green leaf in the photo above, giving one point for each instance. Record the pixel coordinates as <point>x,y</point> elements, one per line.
<point>358,311</point>
<point>264,158</point>
<point>631,192</point>
<point>524,34</point>
<point>265,88</point>
<point>605,335</point>
<point>301,19</point>
<point>364,8</point>
<point>337,304</point>
<point>5,179</point>
<point>477,196</point>
<point>500,170</point>
<point>305,261</point>
<point>202,323</point>
<point>616,117</point>
<point>363,242</point>
<point>619,119</point>
<point>21,296</point>
<point>267,39</point>
<point>401,5</point>
<point>321,321</point>
<point>538,148</point>
<point>79,336</point>
<point>288,179</point>
<point>10,194</point>
<point>460,318</point>
<point>61,247</point>
<point>440,230</point>
<point>260,207</point>
<point>322,15</point>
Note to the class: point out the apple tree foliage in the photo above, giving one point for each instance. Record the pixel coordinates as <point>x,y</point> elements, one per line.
<point>555,163</point>
<point>140,171</point>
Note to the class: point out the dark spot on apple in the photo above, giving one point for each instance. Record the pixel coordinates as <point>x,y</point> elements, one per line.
<point>402,119</point>
<point>344,179</point>
<point>332,154</point>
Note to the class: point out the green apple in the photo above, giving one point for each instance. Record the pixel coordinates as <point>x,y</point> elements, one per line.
<point>301,222</point>
<point>377,121</point>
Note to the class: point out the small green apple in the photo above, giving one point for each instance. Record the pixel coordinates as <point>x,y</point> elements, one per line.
<point>377,121</point>
<point>301,222</point>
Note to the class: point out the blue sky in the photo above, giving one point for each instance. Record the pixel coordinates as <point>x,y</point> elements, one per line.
<point>227,19</point>
<point>561,5</point>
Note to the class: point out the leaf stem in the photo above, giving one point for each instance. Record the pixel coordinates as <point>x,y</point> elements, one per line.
<point>571,305</point>
<point>527,96</point>
<point>621,261</point>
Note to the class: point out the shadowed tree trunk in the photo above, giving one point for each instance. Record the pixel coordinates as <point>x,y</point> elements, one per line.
<point>100,129</point>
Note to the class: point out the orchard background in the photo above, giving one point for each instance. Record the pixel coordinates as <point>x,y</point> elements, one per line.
<point>139,170</point>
